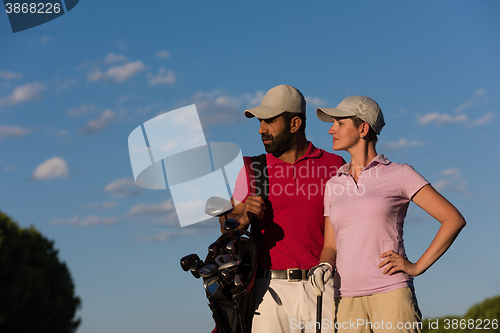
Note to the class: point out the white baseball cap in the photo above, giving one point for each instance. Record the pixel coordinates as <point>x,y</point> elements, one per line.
<point>277,100</point>
<point>363,107</point>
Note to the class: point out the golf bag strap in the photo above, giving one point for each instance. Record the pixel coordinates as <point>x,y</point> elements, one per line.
<point>256,167</point>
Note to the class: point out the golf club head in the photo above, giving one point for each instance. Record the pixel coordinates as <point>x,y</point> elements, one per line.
<point>227,274</point>
<point>231,225</point>
<point>195,269</point>
<point>212,284</point>
<point>213,249</point>
<point>232,246</point>
<point>188,261</point>
<point>238,282</point>
<point>223,258</point>
<point>217,206</point>
<point>208,270</point>
<point>230,264</point>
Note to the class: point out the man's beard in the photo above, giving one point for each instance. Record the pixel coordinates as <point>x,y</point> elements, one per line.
<point>280,143</point>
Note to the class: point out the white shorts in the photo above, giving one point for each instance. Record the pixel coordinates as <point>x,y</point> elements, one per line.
<point>284,306</point>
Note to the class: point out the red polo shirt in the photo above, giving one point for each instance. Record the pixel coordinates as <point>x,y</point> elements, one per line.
<point>293,224</point>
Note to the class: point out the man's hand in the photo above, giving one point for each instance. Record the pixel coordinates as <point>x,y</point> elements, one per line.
<point>254,205</point>
<point>319,275</point>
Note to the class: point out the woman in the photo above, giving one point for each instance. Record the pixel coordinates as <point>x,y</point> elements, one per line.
<point>365,206</point>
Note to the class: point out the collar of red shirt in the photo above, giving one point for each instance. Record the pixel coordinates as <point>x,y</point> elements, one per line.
<point>379,159</point>
<point>312,152</point>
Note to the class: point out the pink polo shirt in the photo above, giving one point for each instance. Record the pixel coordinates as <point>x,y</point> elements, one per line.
<point>293,224</point>
<point>367,219</point>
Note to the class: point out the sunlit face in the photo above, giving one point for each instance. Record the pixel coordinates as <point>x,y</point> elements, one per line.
<point>345,134</point>
<point>276,135</point>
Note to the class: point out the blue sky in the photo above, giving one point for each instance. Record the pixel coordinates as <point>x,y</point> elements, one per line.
<point>73,89</point>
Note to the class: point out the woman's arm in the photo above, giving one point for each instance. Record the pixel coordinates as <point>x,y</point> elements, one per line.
<point>451,221</point>
<point>329,252</point>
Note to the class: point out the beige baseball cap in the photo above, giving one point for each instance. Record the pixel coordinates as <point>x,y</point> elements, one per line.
<point>278,100</point>
<point>364,107</point>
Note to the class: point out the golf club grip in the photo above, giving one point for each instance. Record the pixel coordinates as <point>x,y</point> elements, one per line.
<point>319,311</point>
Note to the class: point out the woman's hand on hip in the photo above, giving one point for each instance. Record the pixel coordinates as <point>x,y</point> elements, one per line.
<point>394,263</point>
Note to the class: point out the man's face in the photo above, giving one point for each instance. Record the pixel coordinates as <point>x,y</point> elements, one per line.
<point>276,135</point>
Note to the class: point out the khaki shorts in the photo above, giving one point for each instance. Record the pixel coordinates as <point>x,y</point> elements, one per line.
<point>394,311</point>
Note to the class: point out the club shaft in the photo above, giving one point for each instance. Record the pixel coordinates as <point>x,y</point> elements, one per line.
<point>319,310</point>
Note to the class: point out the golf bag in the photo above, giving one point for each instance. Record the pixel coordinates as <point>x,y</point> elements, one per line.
<point>233,306</point>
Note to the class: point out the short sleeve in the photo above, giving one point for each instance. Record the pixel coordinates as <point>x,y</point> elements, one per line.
<point>411,181</point>
<point>241,188</point>
<point>327,199</point>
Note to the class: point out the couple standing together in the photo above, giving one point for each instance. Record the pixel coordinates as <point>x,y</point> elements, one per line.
<point>335,227</point>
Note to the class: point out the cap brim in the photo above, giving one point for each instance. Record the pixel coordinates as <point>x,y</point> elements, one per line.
<point>327,114</point>
<point>263,112</point>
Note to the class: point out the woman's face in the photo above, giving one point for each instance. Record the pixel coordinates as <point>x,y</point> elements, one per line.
<point>345,134</point>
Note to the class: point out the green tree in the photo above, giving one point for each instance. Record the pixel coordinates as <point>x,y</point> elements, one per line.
<point>480,318</point>
<point>36,289</point>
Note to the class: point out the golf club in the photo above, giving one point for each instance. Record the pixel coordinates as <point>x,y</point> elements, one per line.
<point>217,206</point>
<point>212,284</point>
<point>229,264</point>
<point>213,249</point>
<point>208,270</point>
<point>319,310</point>
<point>195,269</point>
<point>238,282</point>
<point>227,274</point>
<point>188,261</point>
<point>231,225</point>
<point>223,258</point>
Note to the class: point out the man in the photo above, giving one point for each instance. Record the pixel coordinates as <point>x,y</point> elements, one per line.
<point>291,220</point>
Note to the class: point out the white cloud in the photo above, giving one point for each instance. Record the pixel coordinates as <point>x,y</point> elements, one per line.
<point>99,124</point>
<point>163,54</point>
<point>45,39</point>
<point>55,167</point>
<point>113,57</point>
<point>452,181</point>
<point>315,101</point>
<point>163,77</point>
<point>101,206</point>
<point>121,188</point>
<point>62,133</point>
<point>10,75</point>
<point>165,207</point>
<point>119,74</point>
<point>451,172</point>
<point>441,118</point>
<point>122,45</point>
<point>218,108</point>
<point>480,92</point>
<point>473,101</point>
<point>160,237</point>
<point>483,120</point>
<point>85,221</point>
<point>463,106</point>
<point>402,143</point>
<point>26,93</point>
<point>14,131</point>
<point>81,110</point>
<point>10,168</point>
<point>254,99</point>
